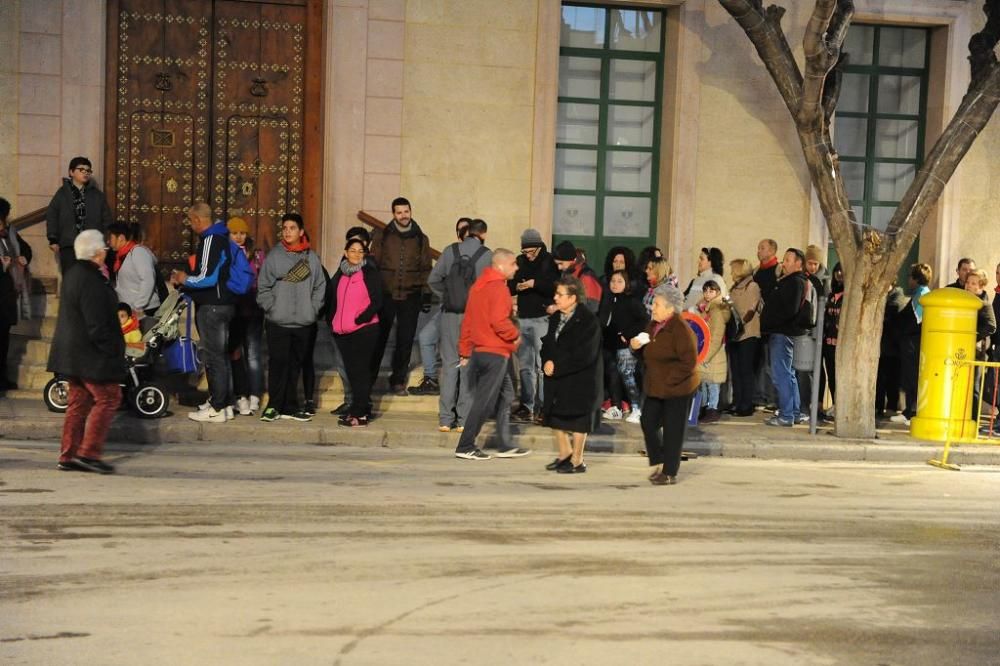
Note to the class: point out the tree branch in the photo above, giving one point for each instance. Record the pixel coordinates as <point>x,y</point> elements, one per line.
<point>763,27</point>
<point>981,47</point>
<point>824,37</point>
<point>973,114</point>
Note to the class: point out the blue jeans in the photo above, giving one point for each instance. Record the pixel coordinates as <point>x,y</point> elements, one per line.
<point>710,395</point>
<point>529,355</point>
<point>213,331</point>
<point>780,350</point>
<point>428,341</point>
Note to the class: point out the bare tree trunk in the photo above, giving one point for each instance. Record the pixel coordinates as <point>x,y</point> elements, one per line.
<point>858,351</point>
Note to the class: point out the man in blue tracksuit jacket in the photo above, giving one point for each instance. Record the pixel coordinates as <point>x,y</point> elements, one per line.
<point>215,307</point>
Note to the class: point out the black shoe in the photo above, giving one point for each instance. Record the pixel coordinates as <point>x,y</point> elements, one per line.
<point>522,414</point>
<point>95,465</point>
<point>663,480</point>
<point>557,463</point>
<point>571,469</point>
<point>745,412</point>
<point>513,452</point>
<point>399,390</point>
<point>429,386</point>
<point>300,416</point>
<point>310,408</point>
<point>71,465</point>
<point>340,410</point>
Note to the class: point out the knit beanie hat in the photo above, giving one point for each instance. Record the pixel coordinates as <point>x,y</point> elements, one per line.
<point>237,225</point>
<point>531,238</point>
<point>814,253</point>
<point>565,251</point>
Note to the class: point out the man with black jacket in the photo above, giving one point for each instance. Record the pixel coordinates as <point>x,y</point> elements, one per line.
<point>780,319</point>
<point>402,253</point>
<point>76,206</point>
<point>215,307</point>
<point>533,285</point>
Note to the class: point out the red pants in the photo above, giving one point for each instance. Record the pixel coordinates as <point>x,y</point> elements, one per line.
<point>92,407</point>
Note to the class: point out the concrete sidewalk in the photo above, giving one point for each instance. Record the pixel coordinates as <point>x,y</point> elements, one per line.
<point>730,438</point>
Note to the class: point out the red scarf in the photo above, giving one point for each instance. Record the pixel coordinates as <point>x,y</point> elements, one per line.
<point>122,253</point>
<point>302,246</point>
<point>131,325</point>
<point>770,263</point>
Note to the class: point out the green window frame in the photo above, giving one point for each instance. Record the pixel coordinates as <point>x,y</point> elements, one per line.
<point>870,208</point>
<point>600,241</point>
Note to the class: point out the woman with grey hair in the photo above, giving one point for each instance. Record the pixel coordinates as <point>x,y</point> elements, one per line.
<point>89,351</point>
<point>670,352</point>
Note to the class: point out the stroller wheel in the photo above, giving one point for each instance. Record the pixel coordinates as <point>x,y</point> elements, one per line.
<point>149,401</point>
<point>56,395</point>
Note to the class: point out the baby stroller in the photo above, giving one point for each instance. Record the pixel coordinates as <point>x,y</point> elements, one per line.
<point>140,393</point>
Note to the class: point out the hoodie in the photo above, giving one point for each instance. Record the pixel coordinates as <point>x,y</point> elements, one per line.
<point>285,303</point>
<point>487,325</point>
<point>206,283</point>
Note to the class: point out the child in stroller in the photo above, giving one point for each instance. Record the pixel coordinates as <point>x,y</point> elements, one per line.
<point>146,398</point>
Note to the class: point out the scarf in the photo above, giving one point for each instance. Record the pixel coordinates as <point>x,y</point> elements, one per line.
<point>347,268</point>
<point>79,206</point>
<point>131,325</point>
<point>121,254</point>
<point>302,246</point>
<point>770,263</point>
<point>563,319</point>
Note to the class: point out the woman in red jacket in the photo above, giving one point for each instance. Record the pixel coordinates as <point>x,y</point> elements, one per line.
<point>355,297</point>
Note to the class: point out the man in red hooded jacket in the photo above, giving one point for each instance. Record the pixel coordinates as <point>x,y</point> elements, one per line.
<point>488,337</point>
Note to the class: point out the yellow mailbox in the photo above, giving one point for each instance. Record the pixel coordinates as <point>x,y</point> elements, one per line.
<point>944,385</point>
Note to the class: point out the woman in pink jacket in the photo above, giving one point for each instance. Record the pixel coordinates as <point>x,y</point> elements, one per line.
<point>355,298</point>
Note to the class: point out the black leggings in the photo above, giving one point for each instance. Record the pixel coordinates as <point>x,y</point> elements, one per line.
<point>664,421</point>
<point>356,351</point>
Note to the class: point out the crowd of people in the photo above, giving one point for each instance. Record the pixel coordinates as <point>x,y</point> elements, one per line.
<point>532,336</point>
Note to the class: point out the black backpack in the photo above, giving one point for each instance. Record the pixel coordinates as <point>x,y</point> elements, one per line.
<point>459,279</point>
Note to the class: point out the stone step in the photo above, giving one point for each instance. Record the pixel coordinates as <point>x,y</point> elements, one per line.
<point>41,328</point>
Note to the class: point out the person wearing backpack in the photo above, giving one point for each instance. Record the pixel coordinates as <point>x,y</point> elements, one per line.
<point>136,278</point>
<point>451,279</point>
<point>785,308</point>
<point>213,285</point>
<point>291,290</point>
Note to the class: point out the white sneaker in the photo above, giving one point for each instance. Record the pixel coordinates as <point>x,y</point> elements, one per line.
<point>243,407</point>
<point>899,418</point>
<point>635,416</point>
<point>612,414</point>
<point>205,405</point>
<point>208,416</point>
<point>254,404</point>
<point>230,414</point>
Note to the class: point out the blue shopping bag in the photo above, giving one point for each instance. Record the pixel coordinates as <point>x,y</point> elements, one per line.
<point>181,355</point>
<point>695,408</point>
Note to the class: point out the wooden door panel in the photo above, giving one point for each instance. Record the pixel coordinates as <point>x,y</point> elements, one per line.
<point>162,140</point>
<point>259,65</point>
<point>207,100</point>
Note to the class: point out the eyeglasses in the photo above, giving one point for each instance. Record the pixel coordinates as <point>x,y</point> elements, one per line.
<point>529,250</point>
<point>85,169</point>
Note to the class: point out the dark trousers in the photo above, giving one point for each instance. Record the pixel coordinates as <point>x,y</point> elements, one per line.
<point>246,334</point>
<point>614,387</point>
<point>213,332</point>
<point>909,367</point>
<point>664,423</point>
<point>887,385</point>
<point>67,257</point>
<point>309,366</point>
<point>742,370</point>
<point>91,409</point>
<point>492,396</point>
<point>4,351</point>
<point>356,350</point>
<point>828,373</point>
<point>285,347</point>
<point>405,313</point>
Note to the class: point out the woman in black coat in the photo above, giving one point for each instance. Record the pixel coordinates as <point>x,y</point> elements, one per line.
<point>88,349</point>
<point>571,362</point>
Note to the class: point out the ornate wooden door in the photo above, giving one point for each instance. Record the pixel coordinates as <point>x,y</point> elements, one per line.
<point>212,101</point>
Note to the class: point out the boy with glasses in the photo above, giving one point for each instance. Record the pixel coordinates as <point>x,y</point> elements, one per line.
<point>76,206</point>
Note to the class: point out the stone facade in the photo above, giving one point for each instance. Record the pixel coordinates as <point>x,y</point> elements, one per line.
<point>452,104</point>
